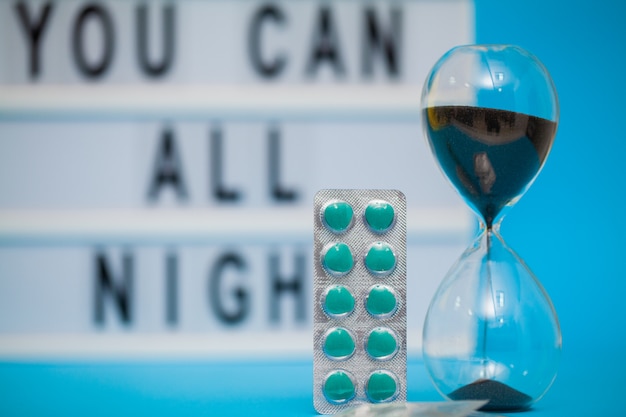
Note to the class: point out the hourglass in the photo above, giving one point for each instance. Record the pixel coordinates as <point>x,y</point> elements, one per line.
<point>490,115</point>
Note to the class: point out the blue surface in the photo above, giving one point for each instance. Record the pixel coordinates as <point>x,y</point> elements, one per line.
<point>588,385</point>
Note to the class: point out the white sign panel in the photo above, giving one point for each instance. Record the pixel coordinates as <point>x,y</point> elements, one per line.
<point>217,42</point>
<point>158,162</point>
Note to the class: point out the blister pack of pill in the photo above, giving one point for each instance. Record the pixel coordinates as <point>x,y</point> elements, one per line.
<point>359,289</point>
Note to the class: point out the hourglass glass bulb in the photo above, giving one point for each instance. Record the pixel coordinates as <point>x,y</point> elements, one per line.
<point>490,114</point>
<point>491,330</point>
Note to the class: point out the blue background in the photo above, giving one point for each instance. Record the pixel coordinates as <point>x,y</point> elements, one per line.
<point>569,228</point>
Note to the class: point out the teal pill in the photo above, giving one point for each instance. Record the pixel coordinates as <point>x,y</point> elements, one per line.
<point>379,215</point>
<point>338,344</point>
<point>338,259</point>
<point>338,301</point>
<point>381,386</point>
<point>337,216</point>
<point>339,387</point>
<point>381,343</point>
<point>380,258</point>
<point>381,301</point>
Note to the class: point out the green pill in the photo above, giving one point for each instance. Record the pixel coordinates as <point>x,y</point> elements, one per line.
<point>381,386</point>
<point>338,301</point>
<point>338,344</point>
<point>337,216</point>
<point>381,301</point>
<point>339,387</point>
<point>379,215</point>
<point>337,259</point>
<point>380,258</point>
<point>381,343</point>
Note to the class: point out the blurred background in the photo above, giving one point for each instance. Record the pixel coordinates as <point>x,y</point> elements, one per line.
<point>158,162</point>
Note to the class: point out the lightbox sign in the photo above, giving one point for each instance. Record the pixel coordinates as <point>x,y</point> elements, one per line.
<point>158,162</point>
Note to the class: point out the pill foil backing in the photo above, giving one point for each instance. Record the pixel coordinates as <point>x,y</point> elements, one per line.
<point>333,377</point>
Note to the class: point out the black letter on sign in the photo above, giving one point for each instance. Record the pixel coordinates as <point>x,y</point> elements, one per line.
<point>276,190</point>
<point>93,70</point>
<point>325,44</point>
<point>121,292</point>
<point>375,41</point>
<point>171,289</point>
<point>265,68</point>
<point>239,293</point>
<point>219,191</point>
<point>160,68</point>
<point>295,286</point>
<point>33,31</point>
<point>168,169</point>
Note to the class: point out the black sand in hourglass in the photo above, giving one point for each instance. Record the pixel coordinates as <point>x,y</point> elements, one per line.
<point>501,397</point>
<point>490,155</point>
